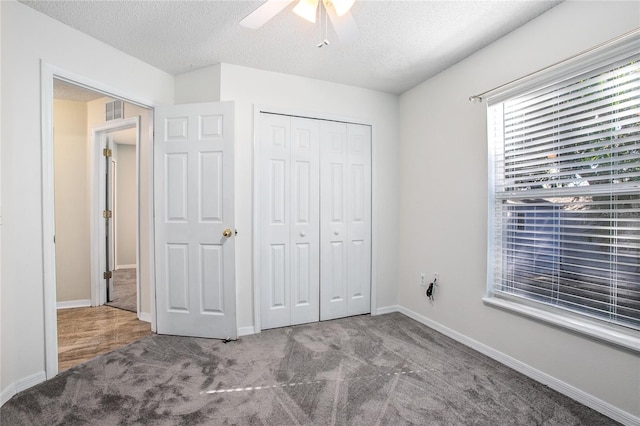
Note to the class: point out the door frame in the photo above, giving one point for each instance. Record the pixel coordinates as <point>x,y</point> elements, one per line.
<point>49,72</point>
<point>96,197</point>
<point>295,112</point>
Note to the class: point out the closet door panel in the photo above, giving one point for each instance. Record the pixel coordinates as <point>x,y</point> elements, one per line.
<point>274,220</point>
<point>359,219</point>
<point>333,220</point>
<point>305,216</point>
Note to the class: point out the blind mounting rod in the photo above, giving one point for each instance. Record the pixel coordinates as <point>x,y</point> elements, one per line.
<point>479,97</point>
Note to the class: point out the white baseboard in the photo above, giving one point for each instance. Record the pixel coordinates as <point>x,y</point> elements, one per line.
<point>20,385</point>
<point>564,388</point>
<point>32,380</point>
<point>118,267</point>
<point>144,316</point>
<point>387,309</point>
<point>246,331</point>
<point>83,303</point>
<point>7,394</point>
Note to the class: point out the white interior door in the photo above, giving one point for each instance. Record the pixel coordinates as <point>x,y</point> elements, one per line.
<point>194,220</point>
<point>109,217</point>
<point>345,220</point>
<point>288,220</point>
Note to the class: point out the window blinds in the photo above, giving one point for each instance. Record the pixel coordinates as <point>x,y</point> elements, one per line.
<point>566,192</point>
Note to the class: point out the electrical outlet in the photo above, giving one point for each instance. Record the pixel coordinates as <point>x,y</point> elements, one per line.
<point>436,278</point>
<point>423,279</point>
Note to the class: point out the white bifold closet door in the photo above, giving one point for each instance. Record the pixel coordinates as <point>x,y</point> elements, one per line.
<point>289,220</point>
<point>345,220</point>
<point>314,219</point>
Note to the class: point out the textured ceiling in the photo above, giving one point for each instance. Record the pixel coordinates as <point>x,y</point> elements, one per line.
<point>400,43</point>
<point>71,92</point>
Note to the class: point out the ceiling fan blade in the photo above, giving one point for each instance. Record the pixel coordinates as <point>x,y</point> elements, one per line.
<point>263,13</point>
<point>345,26</point>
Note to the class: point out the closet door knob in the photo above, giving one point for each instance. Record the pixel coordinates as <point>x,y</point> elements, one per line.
<point>302,234</point>
<point>226,233</point>
<point>336,232</point>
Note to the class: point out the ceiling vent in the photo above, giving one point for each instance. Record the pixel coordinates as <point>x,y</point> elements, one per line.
<point>114,110</point>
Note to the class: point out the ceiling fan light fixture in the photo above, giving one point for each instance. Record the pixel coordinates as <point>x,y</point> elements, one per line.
<point>342,6</point>
<point>306,9</point>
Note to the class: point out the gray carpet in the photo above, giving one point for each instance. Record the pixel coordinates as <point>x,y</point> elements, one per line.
<point>382,370</point>
<point>124,290</point>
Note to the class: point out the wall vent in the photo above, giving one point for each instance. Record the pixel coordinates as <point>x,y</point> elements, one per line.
<point>114,110</point>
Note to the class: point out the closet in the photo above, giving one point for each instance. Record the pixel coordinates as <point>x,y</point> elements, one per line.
<point>313,218</point>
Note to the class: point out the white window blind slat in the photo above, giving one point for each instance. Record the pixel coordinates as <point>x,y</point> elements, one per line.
<point>587,175</point>
<point>620,67</point>
<point>577,96</point>
<point>514,164</point>
<point>553,133</point>
<point>570,305</point>
<point>547,289</point>
<point>552,118</point>
<point>592,138</point>
<point>630,187</point>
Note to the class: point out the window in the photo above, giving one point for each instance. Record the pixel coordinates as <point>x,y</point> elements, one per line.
<point>565,193</point>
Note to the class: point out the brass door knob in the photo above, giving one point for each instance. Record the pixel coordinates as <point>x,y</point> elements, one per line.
<point>227,233</point>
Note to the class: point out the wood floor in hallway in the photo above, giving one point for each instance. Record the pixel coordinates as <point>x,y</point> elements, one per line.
<point>84,333</point>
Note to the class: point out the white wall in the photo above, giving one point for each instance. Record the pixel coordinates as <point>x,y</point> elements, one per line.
<point>443,202</point>
<point>126,205</point>
<point>248,86</point>
<point>202,85</point>
<point>27,37</point>
<point>73,262</point>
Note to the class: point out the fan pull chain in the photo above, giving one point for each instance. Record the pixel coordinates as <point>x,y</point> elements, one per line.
<point>324,42</point>
<point>326,26</point>
<point>319,16</point>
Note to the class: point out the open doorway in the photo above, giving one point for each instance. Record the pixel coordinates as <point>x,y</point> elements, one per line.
<point>97,223</point>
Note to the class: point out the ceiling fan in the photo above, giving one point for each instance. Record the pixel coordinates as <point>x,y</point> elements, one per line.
<point>336,10</point>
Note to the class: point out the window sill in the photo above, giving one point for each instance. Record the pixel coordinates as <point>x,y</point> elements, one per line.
<point>628,340</point>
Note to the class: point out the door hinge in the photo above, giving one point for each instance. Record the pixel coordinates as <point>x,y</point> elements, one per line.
<point>106,152</point>
<point>106,275</point>
<point>107,214</point>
